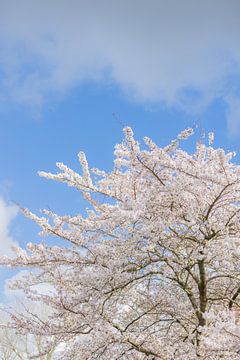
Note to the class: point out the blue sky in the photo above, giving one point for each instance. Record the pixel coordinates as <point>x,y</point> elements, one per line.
<point>73,73</point>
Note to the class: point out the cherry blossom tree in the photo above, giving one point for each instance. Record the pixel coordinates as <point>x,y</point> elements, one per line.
<point>152,271</point>
<point>15,346</point>
<point>21,347</point>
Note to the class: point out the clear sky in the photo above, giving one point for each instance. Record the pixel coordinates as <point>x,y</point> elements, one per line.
<point>73,73</point>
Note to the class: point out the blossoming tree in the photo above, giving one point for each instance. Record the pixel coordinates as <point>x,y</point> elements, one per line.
<point>15,346</point>
<point>152,271</point>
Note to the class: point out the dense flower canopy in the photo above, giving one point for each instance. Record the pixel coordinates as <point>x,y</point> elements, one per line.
<point>153,270</point>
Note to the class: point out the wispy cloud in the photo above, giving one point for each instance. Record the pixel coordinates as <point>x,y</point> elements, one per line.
<point>7,214</point>
<point>183,53</point>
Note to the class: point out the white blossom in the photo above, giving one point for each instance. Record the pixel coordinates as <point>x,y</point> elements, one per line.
<point>185,134</point>
<point>152,271</point>
<point>210,138</point>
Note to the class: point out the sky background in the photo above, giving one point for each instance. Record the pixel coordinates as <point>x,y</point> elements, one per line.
<point>74,73</point>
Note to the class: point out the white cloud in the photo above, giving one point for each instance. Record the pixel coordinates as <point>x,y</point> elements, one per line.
<point>183,53</point>
<point>7,214</point>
